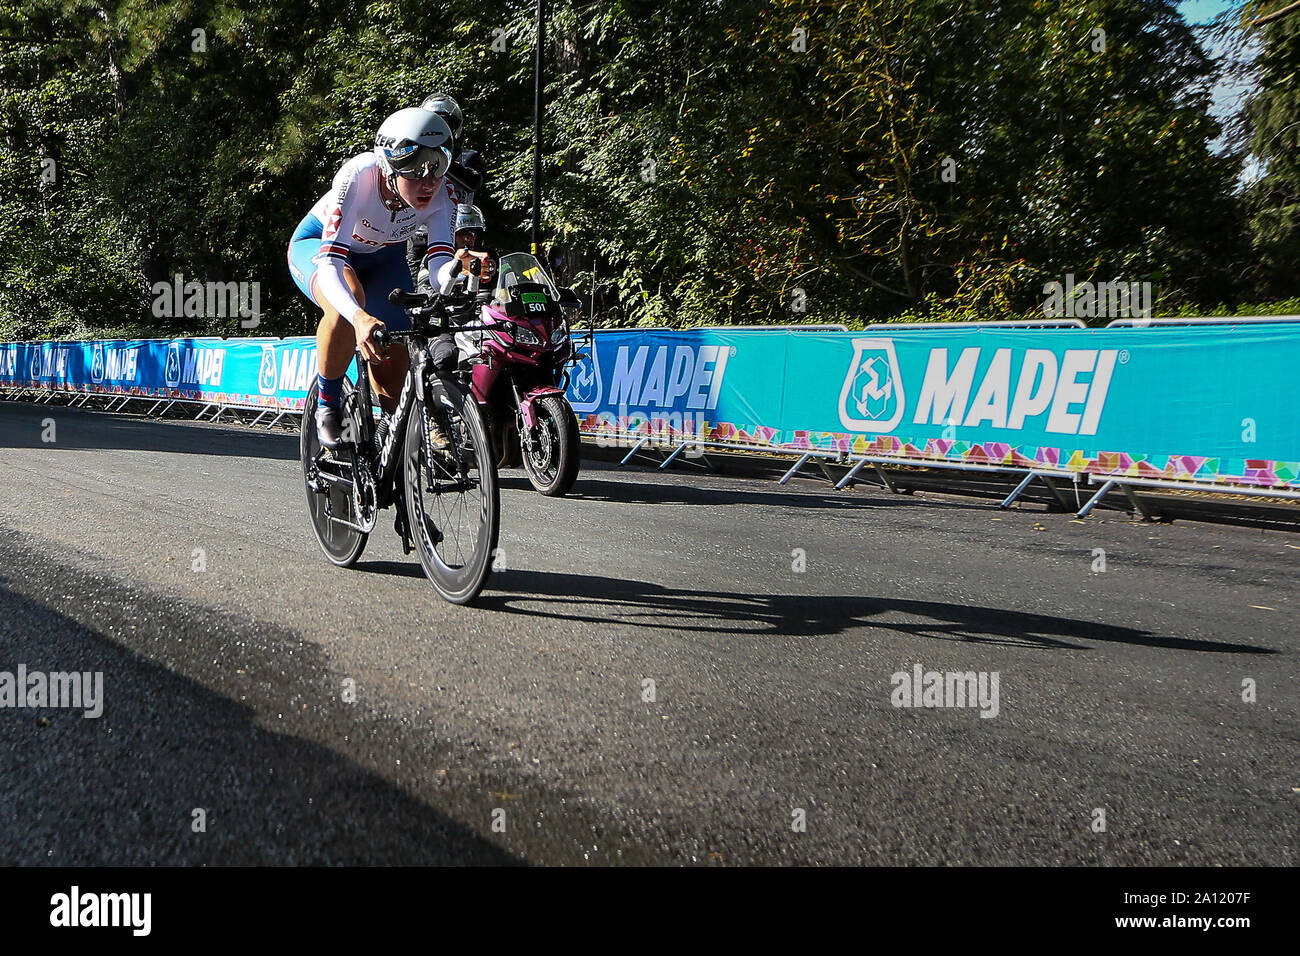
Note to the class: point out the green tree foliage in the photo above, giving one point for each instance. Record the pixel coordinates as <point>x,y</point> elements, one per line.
<point>708,161</point>
<point>1272,124</point>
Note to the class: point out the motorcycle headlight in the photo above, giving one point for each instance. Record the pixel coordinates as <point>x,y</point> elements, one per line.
<point>526,336</point>
<point>560,334</point>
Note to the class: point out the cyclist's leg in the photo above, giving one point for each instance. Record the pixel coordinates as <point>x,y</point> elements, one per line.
<point>335,342</point>
<point>334,349</point>
<point>380,273</point>
<point>336,346</point>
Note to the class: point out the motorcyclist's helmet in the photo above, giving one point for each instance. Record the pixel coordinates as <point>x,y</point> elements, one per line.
<point>470,217</point>
<point>446,107</point>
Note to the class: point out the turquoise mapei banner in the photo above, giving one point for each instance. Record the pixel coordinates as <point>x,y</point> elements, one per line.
<point>1210,403</point>
<point>251,372</point>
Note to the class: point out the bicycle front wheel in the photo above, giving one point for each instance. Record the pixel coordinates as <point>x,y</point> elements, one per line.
<point>453,504</point>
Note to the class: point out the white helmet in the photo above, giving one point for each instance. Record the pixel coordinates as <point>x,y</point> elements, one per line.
<point>413,143</point>
<point>447,108</point>
<point>469,217</point>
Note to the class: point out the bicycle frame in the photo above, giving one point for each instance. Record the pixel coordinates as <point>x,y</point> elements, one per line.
<point>383,468</point>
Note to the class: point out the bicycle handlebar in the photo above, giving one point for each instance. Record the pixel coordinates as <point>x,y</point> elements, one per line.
<point>424,305</point>
<point>385,337</point>
<point>403,298</point>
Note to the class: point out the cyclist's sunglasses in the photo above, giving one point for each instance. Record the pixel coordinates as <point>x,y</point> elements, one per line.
<point>428,161</point>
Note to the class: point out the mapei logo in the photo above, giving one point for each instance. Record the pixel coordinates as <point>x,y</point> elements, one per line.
<point>193,365</point>
<point>114,364</point>
<point>295,372</point>
<point>172,368</point>
<point>297,369</point>
<point>50,362</point>
<point>97,364</point>
<point>1013,389</point>
<point>693,373</point>
<point>585,386</point>
<point>871,398</point>
<point>9,362</point>
<point>266,377</point>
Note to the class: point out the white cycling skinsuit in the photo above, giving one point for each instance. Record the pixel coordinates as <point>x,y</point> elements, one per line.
<point>351,225</point>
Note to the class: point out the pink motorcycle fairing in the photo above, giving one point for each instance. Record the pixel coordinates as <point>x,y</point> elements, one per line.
<point>526,406</point>
<point>502,353</point>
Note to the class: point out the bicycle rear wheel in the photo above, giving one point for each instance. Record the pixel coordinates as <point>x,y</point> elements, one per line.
<point>329,500</point>
<point>453,502</point>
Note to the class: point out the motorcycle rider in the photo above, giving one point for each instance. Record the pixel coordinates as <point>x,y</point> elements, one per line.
<point>346,253</point>
<point>454,273</point>
<point>470,229</point>
<point>467,168</point>
<point>467,173</point>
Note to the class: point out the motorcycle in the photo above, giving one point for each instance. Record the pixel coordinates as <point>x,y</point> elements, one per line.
<point>520,356</point>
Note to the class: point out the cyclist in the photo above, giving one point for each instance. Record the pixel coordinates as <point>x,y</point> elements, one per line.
<point>346,254</point>
<point>467,172</point>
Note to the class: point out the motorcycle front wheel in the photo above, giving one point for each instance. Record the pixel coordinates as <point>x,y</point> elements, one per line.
<point>552,461</point>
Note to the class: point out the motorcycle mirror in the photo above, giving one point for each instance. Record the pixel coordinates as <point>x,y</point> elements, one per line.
<point>569,299</point>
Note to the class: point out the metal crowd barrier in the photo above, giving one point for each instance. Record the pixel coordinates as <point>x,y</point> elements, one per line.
<point>113,402</point>
<point>1048,478</point>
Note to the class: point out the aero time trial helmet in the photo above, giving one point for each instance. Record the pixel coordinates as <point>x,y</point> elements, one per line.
<point>413,143</point>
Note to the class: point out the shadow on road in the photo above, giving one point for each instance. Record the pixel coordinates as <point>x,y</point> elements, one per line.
<point>121,789</point>
<point>577,597</point>
<point>22,426</point>
<point>630,491</point>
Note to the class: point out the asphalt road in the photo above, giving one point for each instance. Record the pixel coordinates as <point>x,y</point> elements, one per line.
<point>1119,690</point>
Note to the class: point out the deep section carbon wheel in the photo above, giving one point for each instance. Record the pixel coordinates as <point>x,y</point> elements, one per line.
<point>452,499</point>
